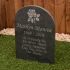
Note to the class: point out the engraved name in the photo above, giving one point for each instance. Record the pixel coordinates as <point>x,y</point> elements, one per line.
<point>36,28</point>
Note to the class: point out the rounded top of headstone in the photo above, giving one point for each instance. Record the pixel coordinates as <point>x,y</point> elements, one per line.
<point>35,15</point>
<point>35,6</point>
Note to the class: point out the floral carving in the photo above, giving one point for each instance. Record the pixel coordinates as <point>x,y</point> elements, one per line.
<point>33,16</point>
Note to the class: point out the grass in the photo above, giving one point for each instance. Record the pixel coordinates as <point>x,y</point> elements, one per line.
<point>8,59</point>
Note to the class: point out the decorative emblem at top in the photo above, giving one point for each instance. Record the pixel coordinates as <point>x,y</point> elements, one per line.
<point>33,16</point>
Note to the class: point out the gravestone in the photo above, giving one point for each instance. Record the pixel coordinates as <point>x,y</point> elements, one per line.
<point>35,34</point>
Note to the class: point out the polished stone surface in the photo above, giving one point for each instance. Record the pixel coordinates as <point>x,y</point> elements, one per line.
<point>35,34</point>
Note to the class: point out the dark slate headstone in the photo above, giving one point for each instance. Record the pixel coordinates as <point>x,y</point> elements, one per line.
<point>35,34</point>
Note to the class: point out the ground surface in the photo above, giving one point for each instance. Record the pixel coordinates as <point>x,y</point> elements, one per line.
<point>8,59</point>
<point>59,37</point>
